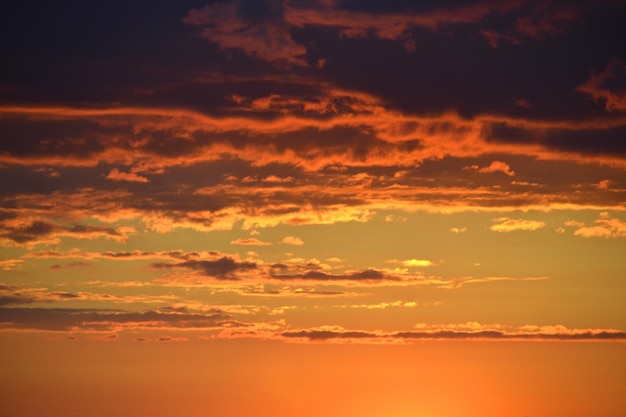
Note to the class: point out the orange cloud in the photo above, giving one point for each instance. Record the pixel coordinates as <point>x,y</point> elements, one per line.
<point>317,167</point>
<point>607,228</point>
<point>10,264</point>
<point>496,166</point>
<point>269,38</point>
<point>29,233</point>
<point>223,24</point>
<point>117,175</point>
<point>606,184</point>
<point>392,141</point>
<point>509,225</point>
<point>601,86</point>
<point>383,305</point>
<point>392,26</point>
<point>292,240</point>
<point>250,241</point>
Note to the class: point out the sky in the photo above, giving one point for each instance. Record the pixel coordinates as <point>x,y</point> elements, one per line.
<point>313,207</point>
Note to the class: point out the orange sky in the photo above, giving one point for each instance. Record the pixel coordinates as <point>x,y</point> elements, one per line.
<point>302,208</point>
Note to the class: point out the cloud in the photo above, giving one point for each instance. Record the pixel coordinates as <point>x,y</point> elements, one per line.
<point>458,230</point>
<point>162,339</point>
<point>222,268</point>
<point>278,148</point>
<point>36,232</point>
<point>264,29</point>
<point>250,241</point>
<point>11,295</point>
<point>76,253</point>
<point>367,275</point>
<point>71,265</point>
<point>383,305</point>
<point>456,283</point>
<point>392,26</point>
<point>536,21</point>
<point>547,19</point>
<point>394,133</point>
<point>292,240</point>
<point>606,184</point>
<point>417,263</point>
<point>495,166</point>
<point>510,225</point>
<point>104,320</point>
<point>10,264</point>
<point>606,228</point>
<point>608,85</point>
<point>117,175</point>
<point>457,332</point>
<point>263,35</point>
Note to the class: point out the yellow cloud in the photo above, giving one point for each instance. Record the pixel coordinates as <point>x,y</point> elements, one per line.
<point>510,225</point>
<point>292,240</point>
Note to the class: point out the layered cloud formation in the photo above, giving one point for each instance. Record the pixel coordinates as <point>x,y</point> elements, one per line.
<point>194,157</point>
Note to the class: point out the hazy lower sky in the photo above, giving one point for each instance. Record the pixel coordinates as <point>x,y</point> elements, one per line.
<point>313,207</point>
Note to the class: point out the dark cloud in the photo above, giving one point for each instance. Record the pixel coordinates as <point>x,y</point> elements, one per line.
<point>222,268</point>
<point>64,319</point>
<point>71,265</point>
<point>323,335</point>
<point>328,334</point>
<point>14,295</point>
<point>317,275</point>
<point>608,86</point>
<point>39,230</point>
<point>153,58</point>
<point>602,335</point>
<point>600,140</point>
<point>30,232</point>
<point>256,28</point>
<point>13,299</point>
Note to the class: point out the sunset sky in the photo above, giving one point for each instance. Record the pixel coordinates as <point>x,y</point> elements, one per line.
<point>302,208</point>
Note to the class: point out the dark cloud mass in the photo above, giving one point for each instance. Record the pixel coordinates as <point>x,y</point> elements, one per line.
<point>66,319</point>
<point>222,268</point>
<point>370,275</point>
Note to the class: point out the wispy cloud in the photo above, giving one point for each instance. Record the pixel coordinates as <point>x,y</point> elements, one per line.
<point>266,37</point>
<point>539,333</point>
<point>12,295</point>
<point>95,320</point>
<point>605,85</point>
<point>495,166</point>
<point>117,175</point>
<point>505,224</point>
<point>10,264</point>
<point>250,241</point>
